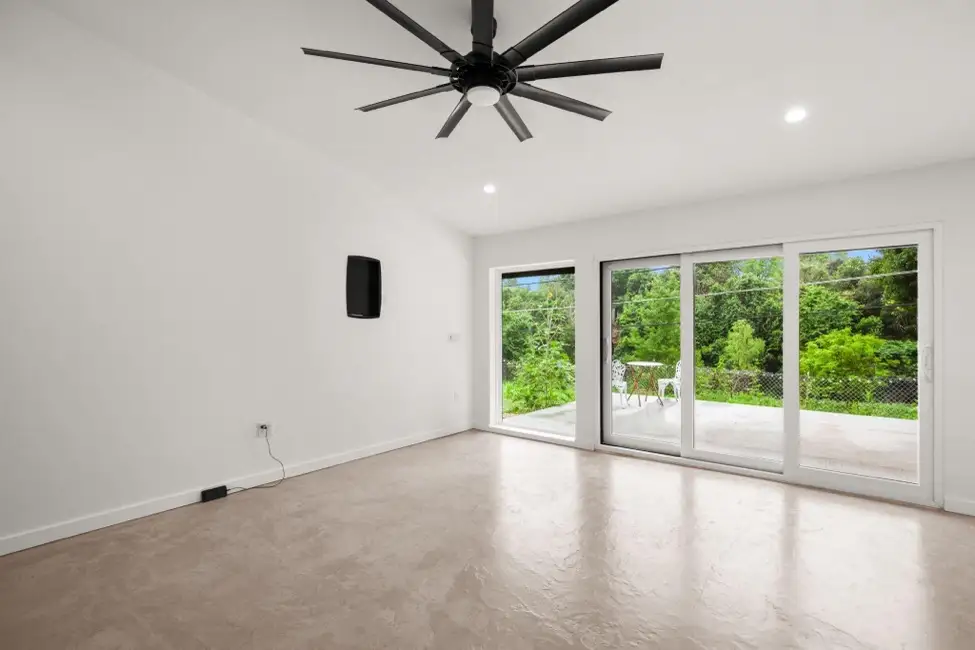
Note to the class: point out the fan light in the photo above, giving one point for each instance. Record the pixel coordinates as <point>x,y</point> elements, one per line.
<point>490,188</point>
<point>483,95</point>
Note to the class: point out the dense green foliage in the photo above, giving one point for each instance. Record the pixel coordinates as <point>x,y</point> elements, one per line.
<point>857,335</point>
<point>728,292</point>
<point>840,354</point>
<point>647,305</point>
<point>545,377</point>
<point>538,342</point>
<point>742,351</point>
<point>823,310</point>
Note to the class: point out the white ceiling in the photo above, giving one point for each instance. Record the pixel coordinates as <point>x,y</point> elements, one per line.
<point>888,84</point>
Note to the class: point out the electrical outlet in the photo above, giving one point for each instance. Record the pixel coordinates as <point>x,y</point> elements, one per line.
<point>263,430</point>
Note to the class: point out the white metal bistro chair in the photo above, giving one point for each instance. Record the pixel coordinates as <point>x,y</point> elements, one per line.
<point>673,382</point>
<point>619,381</point>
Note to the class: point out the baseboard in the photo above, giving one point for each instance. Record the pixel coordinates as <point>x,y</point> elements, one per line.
<point>70,528</point>
<point>363,452</point>
<point>88,523</point>
<point>960,506</point>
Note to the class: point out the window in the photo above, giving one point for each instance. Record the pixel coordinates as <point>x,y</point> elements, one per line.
<point>537,370</point>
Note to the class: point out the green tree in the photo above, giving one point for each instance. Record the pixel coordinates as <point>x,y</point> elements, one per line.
<point>535,311</point>
<point>649,321</point>
<point>538,341</point>
<point>726,292</point>
<point>823,310</point>
<point>815,267</point>
<point>742,350</point>
<point>852,268</point>
<point>841,354</point>
<point>898,358</point>
<point>899,285</point>
<point>869,325</point>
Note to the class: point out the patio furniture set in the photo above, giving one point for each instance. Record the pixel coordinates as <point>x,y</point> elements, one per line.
<point>628,377</point>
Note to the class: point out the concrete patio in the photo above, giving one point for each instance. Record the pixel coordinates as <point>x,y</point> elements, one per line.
<point>857,444</point>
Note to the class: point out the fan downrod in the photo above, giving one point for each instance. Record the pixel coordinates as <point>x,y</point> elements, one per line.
<point>495,28</point>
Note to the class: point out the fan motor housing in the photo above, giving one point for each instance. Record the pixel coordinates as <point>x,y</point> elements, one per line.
<point>478,71</point>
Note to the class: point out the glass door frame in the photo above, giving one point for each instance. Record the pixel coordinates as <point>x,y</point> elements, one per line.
<point>923,491</point>
<point>688,357</point>
<point>496,309</point>
<point>606,353</point>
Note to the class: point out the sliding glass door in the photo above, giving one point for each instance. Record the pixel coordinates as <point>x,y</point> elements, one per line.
<point>734,390</point>
<point>641,354</point>
<point>812,360</point>
<point>859,312</point>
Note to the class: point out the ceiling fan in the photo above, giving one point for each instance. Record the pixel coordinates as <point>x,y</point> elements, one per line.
<point>486,78</point>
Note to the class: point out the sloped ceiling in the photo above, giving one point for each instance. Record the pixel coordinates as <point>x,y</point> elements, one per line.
<point>888,85</point>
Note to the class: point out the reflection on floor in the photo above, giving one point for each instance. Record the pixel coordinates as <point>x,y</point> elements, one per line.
<point>483,541</point>
<point>857,444</point>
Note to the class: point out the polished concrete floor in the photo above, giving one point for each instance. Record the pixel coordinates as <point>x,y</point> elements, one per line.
<point>854,444</point>
<point>482,541</point>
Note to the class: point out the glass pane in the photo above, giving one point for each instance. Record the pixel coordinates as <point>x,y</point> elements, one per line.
<point>646,353</point>
<point>738,358</point>
<point>538,352</point>
<point>858,362</point>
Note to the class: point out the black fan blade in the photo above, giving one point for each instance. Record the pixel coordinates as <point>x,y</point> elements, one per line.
<point>559,101</point>
<point>443,72</point>
<point>455,117</point>
<point>482,26</point>
<point>593,66</point>
<point>555,29</point>
<point>436,90</point>
<point>514,120</point>
<point>417,30</point>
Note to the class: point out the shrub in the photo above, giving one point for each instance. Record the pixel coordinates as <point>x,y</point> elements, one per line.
<point>543,377</point>
<point>841,354</point>
<point>899,411</point>
<point>875,409</point>
<point>898,358</point>
<point>728,397</point>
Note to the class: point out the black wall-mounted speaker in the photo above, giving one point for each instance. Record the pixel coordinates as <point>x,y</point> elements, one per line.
<point>363,287</point>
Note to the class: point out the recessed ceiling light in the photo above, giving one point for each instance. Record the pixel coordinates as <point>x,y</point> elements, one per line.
<point>490,189</point>
<point>795,115</point>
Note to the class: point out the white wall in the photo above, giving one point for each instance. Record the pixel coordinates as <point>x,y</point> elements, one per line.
<point>172,273</point>
<point>944,194</point>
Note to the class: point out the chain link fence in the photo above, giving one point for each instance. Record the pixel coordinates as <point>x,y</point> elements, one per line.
<point>877,396</point>
<point>895,397</point>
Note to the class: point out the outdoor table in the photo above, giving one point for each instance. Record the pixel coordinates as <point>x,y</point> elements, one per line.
<point>643,370</point>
